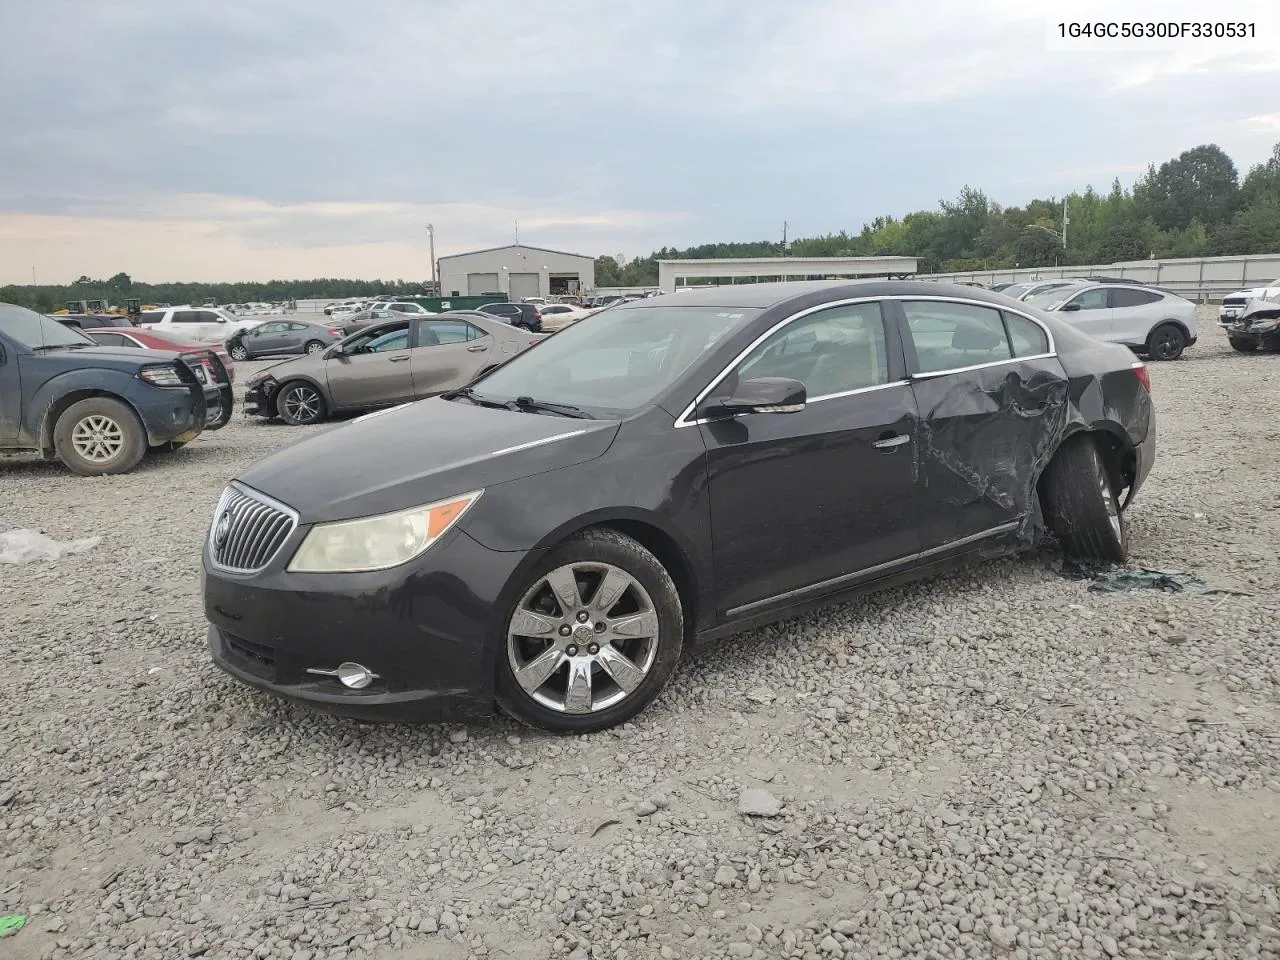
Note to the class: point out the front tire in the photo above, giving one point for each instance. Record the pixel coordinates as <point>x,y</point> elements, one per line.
<point>238,351</point>
<point>99,436</point>
<point>1166,342</point>
<point>1242,346</point>
<point>300,404</point>
<point>594,636</point>
<point>1080,504</point>
<point>314,346</point>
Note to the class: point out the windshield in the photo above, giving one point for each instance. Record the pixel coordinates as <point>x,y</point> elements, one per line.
<point>1047,299</point>
<point>1016,290</point>
<point>34,330</point>
<point>617,361</point>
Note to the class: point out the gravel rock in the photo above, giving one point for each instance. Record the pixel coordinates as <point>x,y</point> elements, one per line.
<point>758,802</point>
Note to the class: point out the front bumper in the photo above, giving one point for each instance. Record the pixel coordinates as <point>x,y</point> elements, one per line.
<point>430,630</point>
<point>1263,331</point>
<point>259,400</point>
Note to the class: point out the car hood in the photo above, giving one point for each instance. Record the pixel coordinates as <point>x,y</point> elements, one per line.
<point>419,453</point>
<point>308,365</point>
<point>114,358</point>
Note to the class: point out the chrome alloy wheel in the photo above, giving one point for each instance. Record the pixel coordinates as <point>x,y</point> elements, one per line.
<point>302,403</point>
<point>97,438</point>
<point>1109,502</point>
<point>583,638</point>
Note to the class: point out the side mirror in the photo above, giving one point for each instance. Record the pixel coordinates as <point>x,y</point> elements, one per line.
<point>761,395</point>
<point>1069,307</point>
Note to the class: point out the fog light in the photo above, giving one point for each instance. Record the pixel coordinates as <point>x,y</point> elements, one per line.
<point>354,676</point>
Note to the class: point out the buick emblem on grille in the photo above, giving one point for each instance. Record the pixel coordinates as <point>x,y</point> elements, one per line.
<point>223,528</point>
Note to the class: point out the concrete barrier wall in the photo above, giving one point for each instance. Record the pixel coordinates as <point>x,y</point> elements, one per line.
<point>1206,278</point>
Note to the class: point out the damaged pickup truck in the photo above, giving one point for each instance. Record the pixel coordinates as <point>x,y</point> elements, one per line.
<point>100,409</point>
<point>1256,326</point>
<point>550,537</point>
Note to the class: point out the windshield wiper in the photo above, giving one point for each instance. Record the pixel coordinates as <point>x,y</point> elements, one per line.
<point>468,394</point>
<point>531,405</point>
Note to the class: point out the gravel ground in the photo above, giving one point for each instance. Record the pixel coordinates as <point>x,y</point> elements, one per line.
<point>1000,763</point>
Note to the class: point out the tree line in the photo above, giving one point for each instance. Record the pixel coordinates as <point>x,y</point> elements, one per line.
<point>1194,205</point>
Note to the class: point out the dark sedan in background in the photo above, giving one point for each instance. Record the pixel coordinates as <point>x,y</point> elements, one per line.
<point>386,364</point>
<point>277,338</point>
<point>552,536</point>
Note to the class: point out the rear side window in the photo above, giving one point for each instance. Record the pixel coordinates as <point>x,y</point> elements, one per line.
<point>151,316</point>
<point>112,340</point>
<point>208,316</point>
<point>186,316</point>
<point>1027,338</point>
<point>1125,297</point>
<point>948,336</point>
<point>435,332</point>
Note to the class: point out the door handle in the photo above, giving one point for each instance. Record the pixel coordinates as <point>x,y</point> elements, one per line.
<point>891,441</point>
<point>398,359</point>
<point>478,348</point>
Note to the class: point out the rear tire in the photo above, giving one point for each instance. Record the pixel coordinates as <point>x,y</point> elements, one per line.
<point>1080,504</point>
<point>1243,346</point>
<point>99,436</point>
<point>618,672</point>
<point>1166,342</point>
<point>300,404</point>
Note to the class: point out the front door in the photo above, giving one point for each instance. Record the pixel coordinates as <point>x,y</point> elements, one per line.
<point>993,403</point>
<point>10,393</point>
<point>266,337</point>
<point>800,499</point>
<point>449,353</point>
<point>1090,311</point>
<point>373,369</point>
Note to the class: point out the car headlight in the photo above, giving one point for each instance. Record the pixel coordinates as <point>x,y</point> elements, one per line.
<point>162,375</point>
<point>378,543</point>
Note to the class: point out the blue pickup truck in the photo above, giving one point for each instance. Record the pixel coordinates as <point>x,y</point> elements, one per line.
<point>100,409</point>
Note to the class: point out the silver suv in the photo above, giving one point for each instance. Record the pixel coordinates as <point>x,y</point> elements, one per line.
<point>1144,319</point>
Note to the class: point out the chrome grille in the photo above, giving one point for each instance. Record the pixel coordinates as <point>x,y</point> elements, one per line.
<point>249,528</point>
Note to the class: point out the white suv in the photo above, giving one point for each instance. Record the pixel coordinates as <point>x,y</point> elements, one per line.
<point>1145,319</point>
<point>206,324</point>
<point>1233,304</point>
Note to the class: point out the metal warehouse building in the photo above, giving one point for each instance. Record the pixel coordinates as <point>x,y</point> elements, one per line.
<point>516,271</point>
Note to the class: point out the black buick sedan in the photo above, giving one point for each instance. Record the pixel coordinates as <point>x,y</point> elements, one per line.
<point>552,537</point>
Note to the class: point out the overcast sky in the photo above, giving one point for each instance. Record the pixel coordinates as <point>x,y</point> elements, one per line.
<point>190,140</point>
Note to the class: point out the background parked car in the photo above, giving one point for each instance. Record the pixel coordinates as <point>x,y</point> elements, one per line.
<point>392,362</point>
<point>557,316</point>
<point>1234,304</point>
<point>282,338</point>
<point>206,324</point>
<point>146,340</point>
<point>89,321</point>
<point>1258,326</point>
<point>1144,319</point>
<point>97,409</point>
<point>525,315</point>
<point>363,318</point>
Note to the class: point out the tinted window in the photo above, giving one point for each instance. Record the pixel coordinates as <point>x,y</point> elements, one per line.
<point>112,340</point>
<point>208,316</point>
<point>1028,338</point>
<point>186,316</point>
<point>829,352</point>
<point>501,309</point>
<point>1090,300</point>
<point>435,332</point>
<point>151,316</point>
<point>396,340</point>
<point>951,335</point>
<point>1125,297</point>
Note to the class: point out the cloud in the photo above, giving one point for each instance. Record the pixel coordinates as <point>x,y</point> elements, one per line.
<point>296,127</point>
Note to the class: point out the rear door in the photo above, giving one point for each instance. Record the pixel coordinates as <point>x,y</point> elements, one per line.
<point>448,353</point>
<point>802,502</point>
<point>992,398</point>
<point>373,369</point>
<point>1090,311</point>
<point>1134,313</point>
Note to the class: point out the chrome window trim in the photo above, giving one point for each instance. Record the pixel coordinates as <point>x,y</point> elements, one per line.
<point>844,578</point>
<point>683,419</point>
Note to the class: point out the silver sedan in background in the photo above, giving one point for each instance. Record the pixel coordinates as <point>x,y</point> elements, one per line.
<point>277,338</point>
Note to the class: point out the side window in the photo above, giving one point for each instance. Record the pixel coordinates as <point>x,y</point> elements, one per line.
<point>396,340</point>
<point>186,316</point>
<point>151,316</point>
<point>208,316</point>
<point>831,351</point>
<point>1126,297</point>
<point>1027,337</point>
<point>112,340</point>
<point>446,331</point>
<point>296,326</point>
<point>1090,300</point>
<point>948,336</point>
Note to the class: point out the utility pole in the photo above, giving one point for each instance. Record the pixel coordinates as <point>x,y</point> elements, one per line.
<point>517,233</point>
<point>431,232</point>
<point>1065,221</point>
<point>784,244</point>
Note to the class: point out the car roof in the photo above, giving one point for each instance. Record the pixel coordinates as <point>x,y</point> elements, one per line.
<point>764,295</point>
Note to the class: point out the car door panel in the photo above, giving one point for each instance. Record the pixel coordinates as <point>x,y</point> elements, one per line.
<point>371,379</point>
<point>10,394</point>
<point>1095,316</point>
<point>986,429</point>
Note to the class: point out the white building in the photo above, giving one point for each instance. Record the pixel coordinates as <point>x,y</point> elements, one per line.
<point>517,271</point>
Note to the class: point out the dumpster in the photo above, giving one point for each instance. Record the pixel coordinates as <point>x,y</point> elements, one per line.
<point>443,304</point>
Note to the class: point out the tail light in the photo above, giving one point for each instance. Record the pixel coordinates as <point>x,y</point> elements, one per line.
<point>535,341</point>
<point>335,331</point>
<point>1143,374</point>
